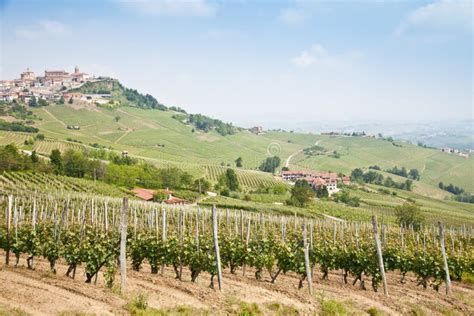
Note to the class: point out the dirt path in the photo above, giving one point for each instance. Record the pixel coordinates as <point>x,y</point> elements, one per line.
<point>288,160</point>
<point>40,292</point>
<point>334,218</point>
<point>128,131</point>
<point>53,117</point>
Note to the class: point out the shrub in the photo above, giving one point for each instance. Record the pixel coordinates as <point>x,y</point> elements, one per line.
<point>139,302</point>
<point>409,214</point>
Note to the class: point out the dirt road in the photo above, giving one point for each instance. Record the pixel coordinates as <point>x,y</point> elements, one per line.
<point>40,292</point>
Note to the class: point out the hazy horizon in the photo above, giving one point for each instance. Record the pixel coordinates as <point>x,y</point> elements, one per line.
<point>245,62</point>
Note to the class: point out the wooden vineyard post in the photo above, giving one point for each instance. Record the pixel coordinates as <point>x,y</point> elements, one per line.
<point>163,235</point>
<point>156,223</point>
<point>241,225</point>
<point>123,245</point>
<point>216,246</point>
<point>445,258</point>
<point>106,216</point>
<point>379,255</point>
<point>357,235</point>
<point>306,261</point>
<point>9,215</point>
<point>247,239</point>
<point>197,229</point>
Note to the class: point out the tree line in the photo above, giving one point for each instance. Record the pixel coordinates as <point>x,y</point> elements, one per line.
<point>459,193</point>
<point>373,177</point>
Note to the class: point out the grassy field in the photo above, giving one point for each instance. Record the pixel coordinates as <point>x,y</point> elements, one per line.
<point>434,165</point>
<point>155,135</point>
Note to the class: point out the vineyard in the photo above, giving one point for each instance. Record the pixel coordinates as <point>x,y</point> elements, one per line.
<point>92,232</point>
<point>44,182</point>
<point>16,138</point>
<point>247,178</point>
<point>49,144</point>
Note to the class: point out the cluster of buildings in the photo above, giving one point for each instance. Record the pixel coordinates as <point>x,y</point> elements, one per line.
<point>147,195</point>
<point>317,179</point>
<point>455,152</point>
<point>50,87</point>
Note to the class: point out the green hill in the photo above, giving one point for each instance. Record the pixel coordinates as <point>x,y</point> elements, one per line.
<point>147,129</point>
<point>156,135</point>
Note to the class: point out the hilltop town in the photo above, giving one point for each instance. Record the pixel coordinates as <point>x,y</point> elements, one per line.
<point>51,87</point>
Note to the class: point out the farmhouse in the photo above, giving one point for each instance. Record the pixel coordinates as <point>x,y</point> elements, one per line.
<point>330,184</point>
<point>317,179</point>
<point>147,195</point>
<point>292,176</point>
<point>144,194</point>
<point>257,130</point>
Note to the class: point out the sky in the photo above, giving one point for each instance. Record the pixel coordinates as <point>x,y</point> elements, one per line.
<point>257,62</point>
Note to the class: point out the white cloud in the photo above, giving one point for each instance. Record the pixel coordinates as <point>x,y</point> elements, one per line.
<point>304,59</point>
<point>200,8</point>
<point>43,28</point>
<point>292,16</point>
<point>440,15</point>
<point>317,55</point>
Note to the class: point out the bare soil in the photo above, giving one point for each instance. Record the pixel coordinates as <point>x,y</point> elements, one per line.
<point>40,292</point>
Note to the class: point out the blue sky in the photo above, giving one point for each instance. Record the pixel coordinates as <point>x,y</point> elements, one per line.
<point>260,61</point>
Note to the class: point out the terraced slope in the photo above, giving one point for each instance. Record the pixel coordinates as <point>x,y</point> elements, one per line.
<point>156,135</point>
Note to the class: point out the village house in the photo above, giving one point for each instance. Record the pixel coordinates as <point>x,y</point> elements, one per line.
<point>292,176</point>
<point>147,195</point>
<point>28,75</point>
<point>317,179</point>
<point>78,76</point>
<point>257,130</point>
<point>330,184</point>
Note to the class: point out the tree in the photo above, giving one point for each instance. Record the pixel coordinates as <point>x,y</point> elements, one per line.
<point>42,102</point>
<point>357,174</point>
<point>34,157</point>
<point>159,196</point>
<point>40,136</point>
<point>12,159</point>
<point>322,192</point>
<point>278,189</point>
<point>408,185</point>
<point>76,164</point>
<point>61,100</point>
<point>285,168</point>
<point>238,162</point>
<point>56,161</point>
<point>202,185</point>
<point>231,180</point>
<point>33,102</point>
<point>346,198</point>
<point>117,118</point>
<point>403,172</point>
<point>270,164</point>
<point>409,214</point>
<point>301,193</point>
<point>71,101</point>
<point>414,174</point>
<point>372,177</point>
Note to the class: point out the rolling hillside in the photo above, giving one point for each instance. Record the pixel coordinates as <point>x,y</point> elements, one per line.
<point>156,135</point>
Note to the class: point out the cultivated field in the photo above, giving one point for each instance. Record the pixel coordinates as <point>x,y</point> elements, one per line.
<point>155,134</point>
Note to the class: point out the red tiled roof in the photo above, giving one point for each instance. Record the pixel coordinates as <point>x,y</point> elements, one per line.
<point>175,200</point>
<point>319,181</point>
<point>295,172</point>
<point>144,194</point>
